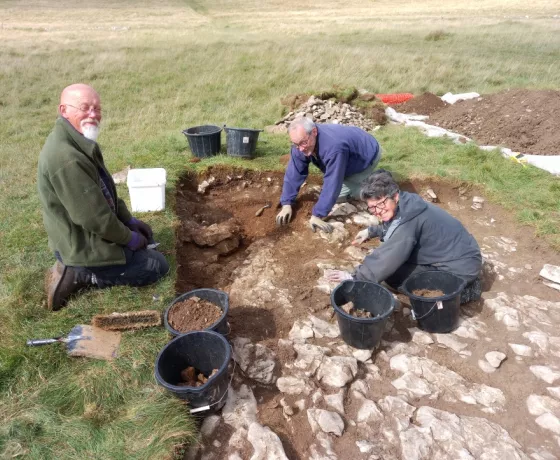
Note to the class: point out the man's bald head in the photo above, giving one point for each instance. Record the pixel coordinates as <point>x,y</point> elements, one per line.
<point>81,106</point>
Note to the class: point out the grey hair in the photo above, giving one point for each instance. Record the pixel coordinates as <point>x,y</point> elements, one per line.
<point>380,183</point>
<point>307,124</point>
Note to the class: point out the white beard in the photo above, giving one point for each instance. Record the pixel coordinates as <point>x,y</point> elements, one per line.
<point>90,132</point>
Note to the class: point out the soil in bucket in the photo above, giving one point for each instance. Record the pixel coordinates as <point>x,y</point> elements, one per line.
<point>199,309</point>
<point>193,314</point>
<point>428,292</point>
<point>435,313</point>
<point>193,378</point>
<point>362,332</point>
<point>203,351</point>
<point>351,310</point>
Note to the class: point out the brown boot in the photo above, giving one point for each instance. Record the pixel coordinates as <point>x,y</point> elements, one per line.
<point>60,283</point>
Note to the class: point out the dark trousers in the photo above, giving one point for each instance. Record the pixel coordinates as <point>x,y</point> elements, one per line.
<point>142,267</point>
<point>472,290</point>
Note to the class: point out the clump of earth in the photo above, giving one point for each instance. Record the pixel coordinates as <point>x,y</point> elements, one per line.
<point>193,314</point>
<point>356,312</point>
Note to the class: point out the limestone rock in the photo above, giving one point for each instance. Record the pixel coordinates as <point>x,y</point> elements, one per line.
<point>551,273</point>
<point>440,434</point>
<point>362,355</point>
<point>328,422</point>
<point>322,449</point>
<point>337,371</point>
<point>369,412</point>
<point>336,401</point>
<point>449,341</point>
<point>521,350</point>
<point>209,425</point>
<point>549,422</point>
<point>301,331</point>
<point>322,328</point>
<point>342,210</point>
<point>495,358</point>
<point>309,358</point>
<point>365,219</point>
<point>398,409</point>
<point>240,409</point>
<point>266,443</point>
<point>420,337</point>
<point>292,386</point>
<point>538,405</point>
<point>545,373</point>
<point>338,235</point>
<point>486,366</point>
<point>255,360</point>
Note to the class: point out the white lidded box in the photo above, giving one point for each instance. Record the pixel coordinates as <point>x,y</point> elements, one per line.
<point>147,189</point>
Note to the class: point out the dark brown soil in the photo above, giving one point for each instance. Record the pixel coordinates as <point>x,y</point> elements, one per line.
<point>523,120</point>
<point>193,314</point>
<point>428,293</point>
<point>425,104</point>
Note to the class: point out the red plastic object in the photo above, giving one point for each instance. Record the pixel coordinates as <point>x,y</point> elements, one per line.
<point>397,98</point>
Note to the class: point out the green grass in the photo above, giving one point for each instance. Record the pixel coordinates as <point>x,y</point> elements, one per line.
<point>161,67</point>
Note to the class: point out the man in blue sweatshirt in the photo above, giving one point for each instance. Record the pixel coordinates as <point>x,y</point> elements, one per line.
<point>345,154</point>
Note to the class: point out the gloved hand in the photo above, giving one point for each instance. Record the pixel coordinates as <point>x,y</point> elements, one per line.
<point>362,236</point>
<point>318,223</point>
<point>138,241</point>
<point>136,225</point>
<point>337,275</point>
<point>285,215</point>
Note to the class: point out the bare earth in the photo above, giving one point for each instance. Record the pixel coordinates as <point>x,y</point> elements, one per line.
<point>300,392</point>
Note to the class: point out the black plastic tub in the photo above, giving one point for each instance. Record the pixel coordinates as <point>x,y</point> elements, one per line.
<point>215,296</point>
<point>204,141</point>
<point>435,314</point>
<point>364,333</point>
<point>205,351</point>
<point>242,142</point>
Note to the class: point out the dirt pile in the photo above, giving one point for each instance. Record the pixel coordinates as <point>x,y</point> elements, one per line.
<point>193,314</point>
<point>425,104</point>
<point>351,310</point>
<point>523,120</point>
<point>192,378</point>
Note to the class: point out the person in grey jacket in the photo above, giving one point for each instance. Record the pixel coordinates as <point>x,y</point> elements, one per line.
<point>416,236</point>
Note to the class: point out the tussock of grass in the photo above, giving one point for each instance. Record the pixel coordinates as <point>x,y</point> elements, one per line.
<point>161,68</point>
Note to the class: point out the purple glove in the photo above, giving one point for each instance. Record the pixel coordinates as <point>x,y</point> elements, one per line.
<point>136,225</point>
<point>137,242</point>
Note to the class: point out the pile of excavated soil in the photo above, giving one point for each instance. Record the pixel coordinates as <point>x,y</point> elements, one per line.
<point>425,104</point>
<point>523,120</point>
<point>193,314</point>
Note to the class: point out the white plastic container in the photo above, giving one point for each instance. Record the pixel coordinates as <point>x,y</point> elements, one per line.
<point>147,189</point>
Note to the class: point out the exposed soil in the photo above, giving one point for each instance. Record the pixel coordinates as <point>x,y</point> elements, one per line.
<point>428,293</point>
<point>523,120</point>
<point>425,104</point>
<point>236,195</point>
<point>193,314</point>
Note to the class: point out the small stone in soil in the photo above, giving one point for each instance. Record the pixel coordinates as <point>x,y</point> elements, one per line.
<point>428,292</point>
<point>358,313</point>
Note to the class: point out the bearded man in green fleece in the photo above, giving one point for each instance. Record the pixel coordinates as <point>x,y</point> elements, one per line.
<point>95,239</point>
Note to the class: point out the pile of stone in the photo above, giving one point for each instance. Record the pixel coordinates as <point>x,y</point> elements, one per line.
<point>325,111</point>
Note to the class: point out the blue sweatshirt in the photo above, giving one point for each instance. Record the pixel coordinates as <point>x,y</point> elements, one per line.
<point>341,151</point>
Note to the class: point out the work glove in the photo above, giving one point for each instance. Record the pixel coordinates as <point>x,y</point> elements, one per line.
<point>338,275</point>
<point>138,241</point>
<point>136,225</point>
<point>318,223</point>
<point>285,215</point>
<point>361,237</point>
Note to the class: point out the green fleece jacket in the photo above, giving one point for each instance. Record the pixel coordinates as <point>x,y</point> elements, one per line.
<point>80,224</point>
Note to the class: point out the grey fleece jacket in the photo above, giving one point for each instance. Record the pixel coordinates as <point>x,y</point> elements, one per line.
<point>423,234</point>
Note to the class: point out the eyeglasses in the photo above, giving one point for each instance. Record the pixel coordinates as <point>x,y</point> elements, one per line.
<point>379,206</point>
<point>303,143</point>
<point>85,109</point>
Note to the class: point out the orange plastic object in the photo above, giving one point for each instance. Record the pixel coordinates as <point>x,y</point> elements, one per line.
<point>397,98</point>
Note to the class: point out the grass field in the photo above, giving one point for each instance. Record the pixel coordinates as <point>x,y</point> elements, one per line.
<point>163,66</point>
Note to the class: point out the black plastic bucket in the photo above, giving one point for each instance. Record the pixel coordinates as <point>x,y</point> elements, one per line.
<point>205,140</point>
<point>205,351</point>
<point>219,298</point>
<point>242,142</point>
<point>435,314</point>
<point>362,333</point>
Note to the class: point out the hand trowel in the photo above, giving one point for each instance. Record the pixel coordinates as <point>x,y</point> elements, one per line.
<point>85,340</point>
